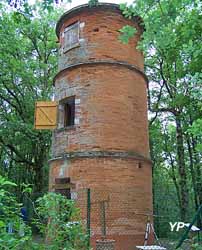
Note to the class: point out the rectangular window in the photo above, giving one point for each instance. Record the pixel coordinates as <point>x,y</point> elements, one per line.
<point>63,187</point>
<point>71,36</point>
<point>65,192</point>
<point>66,112</point>
<point>69,111</point>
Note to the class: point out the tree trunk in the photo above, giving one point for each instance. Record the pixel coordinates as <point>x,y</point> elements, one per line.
<point>198,174</point>
<point>184,193</point>
<point>38,180</point>
<point>193,174</point>
<point>198,170</point>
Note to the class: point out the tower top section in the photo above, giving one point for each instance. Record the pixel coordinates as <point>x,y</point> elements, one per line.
<point>91,35</point>
<point>86,8</point>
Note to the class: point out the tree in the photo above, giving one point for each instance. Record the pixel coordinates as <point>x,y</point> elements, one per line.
<point>171,44</point>
<point>28,61</point>
<point>52,211</point>
<point>14,234</point>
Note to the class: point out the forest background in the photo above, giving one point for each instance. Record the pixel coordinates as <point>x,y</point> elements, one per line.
<point>173,63</point>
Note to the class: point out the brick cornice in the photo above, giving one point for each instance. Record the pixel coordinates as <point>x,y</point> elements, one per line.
<point>101,154</point>
<point>100,6</point>
<point>103,62</point>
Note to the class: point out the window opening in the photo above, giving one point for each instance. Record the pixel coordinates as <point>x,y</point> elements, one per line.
<point>65,192</point>
<point>69,111</point>
<point>71,36</point>
<point>63,187</point>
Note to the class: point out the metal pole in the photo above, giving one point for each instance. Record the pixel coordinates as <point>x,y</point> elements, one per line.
<point>88,215</point>
<point>184,236</point>
<point>103,218</point>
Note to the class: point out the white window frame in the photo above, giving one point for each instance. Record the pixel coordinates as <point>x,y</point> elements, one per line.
<point>68,28</point>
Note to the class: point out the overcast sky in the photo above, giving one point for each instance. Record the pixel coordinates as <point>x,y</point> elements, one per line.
<point>79,2</point>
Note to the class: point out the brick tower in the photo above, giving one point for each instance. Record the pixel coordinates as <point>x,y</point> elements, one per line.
<point>101,139</point>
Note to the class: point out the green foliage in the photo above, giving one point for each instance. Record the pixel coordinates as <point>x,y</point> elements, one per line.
<point>172,47</point>
<point>28,64</point>
<point>27,188</point>
<point>59,222</point>
<point>93,3</point>
<point>196,246</point>
<point>5,182</point>
<point>57,219</point>
<point>127,32</point>
<point>195,130</point>
<point>14,234</point>
<point>46,4</point>
<point>128,12</point>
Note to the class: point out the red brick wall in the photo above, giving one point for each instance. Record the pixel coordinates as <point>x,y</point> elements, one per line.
<point>112,111</point>
<point>110,118</point>
<point>104,43</point>
<point>126,188</point>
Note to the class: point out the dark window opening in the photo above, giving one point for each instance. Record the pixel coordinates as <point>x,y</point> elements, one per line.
<point>139,165</point>
<point>62,186</point>
<point>69,111</point>
<point>65,192</point>
<point>64,180</point>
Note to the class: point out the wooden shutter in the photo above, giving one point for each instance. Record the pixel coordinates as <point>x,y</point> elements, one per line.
<point>71,36</point>
<point>45,115</point>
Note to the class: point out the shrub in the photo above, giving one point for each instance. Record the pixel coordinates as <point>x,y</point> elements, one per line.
<point>58,221</point>
<point>14,234</point>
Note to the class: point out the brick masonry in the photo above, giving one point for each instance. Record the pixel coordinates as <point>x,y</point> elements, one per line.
<point>107,149</point>
<point>105,245</point>
<point>110,99</point>
<point>99,38</point>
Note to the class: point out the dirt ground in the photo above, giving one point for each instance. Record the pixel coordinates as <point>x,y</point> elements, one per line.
<point>170,244</point>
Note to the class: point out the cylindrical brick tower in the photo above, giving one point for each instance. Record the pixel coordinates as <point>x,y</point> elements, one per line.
<point>101,141</point>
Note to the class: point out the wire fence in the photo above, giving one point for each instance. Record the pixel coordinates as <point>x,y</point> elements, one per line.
<point>116,219</point>
<point>112,219</point>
